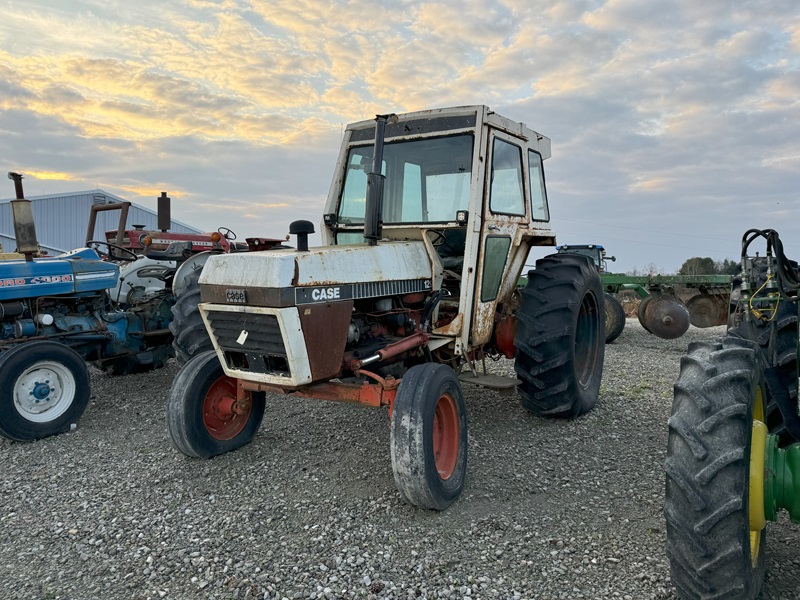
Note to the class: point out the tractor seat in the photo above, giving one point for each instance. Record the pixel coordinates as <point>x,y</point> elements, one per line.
<point>450,248</point>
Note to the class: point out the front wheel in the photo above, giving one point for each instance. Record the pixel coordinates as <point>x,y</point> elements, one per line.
<point>204,416</point>
<point>44,388</point>
<point>714,503</point>
<point>429,437</point>
<point>560,338</point>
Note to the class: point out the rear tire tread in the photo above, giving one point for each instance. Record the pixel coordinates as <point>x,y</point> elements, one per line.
<point>705,509</point>
<point>548,323</point>
<point>190,336</point>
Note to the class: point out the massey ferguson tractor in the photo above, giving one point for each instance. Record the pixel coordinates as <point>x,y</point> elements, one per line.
<point>427,226</point>
<point>733,457</point>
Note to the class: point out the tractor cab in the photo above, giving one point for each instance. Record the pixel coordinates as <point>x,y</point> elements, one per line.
<point>466,182</point>
<point>594,251</point>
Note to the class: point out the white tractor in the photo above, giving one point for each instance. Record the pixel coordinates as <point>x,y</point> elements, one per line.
<point>427,226</point>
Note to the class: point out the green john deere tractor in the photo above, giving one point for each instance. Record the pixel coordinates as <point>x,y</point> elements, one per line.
<point>733,457</point>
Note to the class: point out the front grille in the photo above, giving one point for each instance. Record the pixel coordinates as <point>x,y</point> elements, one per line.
<point>250,342</point>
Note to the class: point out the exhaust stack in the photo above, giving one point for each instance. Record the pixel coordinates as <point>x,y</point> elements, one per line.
<point>24,228</point>
<point>164,217</point>
<point>374,200</point>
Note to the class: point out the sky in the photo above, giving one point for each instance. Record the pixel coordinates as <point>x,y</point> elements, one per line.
<point>675,124</point>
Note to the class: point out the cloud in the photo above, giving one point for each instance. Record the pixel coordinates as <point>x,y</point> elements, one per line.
<point>674,114</point>
<point>54,175</point>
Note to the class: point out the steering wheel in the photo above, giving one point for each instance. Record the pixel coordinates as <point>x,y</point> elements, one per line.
<point>439,241</point>
<point>123,254</point>
<point>227,233</point>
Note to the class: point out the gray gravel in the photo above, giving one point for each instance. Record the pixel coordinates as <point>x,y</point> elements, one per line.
<point>552,509</point>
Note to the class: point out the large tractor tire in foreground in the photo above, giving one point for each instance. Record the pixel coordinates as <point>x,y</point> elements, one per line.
<point>615,318</point>
<point>204,417</point>
<point>44,389</point>
<point>560,337</point>
<point>713,549</point>
<point>429,437</point>
<point>190,336</point>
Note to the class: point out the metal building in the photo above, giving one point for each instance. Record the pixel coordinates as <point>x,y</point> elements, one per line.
<point>62,220</point>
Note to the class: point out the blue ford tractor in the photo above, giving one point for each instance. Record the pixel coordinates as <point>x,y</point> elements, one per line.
<point>57,313</point>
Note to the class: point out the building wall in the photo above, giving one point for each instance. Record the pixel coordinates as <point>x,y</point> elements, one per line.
<point>62,220</point>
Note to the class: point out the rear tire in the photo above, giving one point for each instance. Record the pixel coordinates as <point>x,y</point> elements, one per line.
<point>190,336</point>
<point>615,318</point>
<point>203,417</point>
<point>709,542</point>
<point>429,437</point>
<point>44,388</point>
<point>560,338</point>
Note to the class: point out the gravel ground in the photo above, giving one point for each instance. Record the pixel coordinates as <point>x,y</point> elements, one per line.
<point>552,509</point>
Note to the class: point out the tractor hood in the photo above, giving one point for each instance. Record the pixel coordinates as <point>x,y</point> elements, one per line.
<point>323,274</point>
<point>74,272</point>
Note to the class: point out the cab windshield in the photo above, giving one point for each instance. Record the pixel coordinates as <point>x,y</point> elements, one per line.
<point>427,181</point>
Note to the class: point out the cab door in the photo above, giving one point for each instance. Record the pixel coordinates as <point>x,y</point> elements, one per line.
<point>505,221</point>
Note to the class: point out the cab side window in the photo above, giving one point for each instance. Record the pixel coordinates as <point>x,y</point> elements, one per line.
<point>507,194</point>
<point>538,194</point>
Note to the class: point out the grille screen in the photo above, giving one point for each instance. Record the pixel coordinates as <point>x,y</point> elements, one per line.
<point>250,342</point>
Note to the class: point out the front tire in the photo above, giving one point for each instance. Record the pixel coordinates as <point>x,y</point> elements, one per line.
<point>429,437</point>
<point>44,388</point>
<point>204,418</point>
<point>712,549</point>
<point>560,338</point>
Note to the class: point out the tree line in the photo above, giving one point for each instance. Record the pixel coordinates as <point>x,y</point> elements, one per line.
<point>708,266</point>
<point>694,266</point>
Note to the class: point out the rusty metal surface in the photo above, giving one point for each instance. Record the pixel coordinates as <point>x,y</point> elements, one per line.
<point>708,310</point>
<point>123,207</point>
<point>370,394</point>
<point>452,328</point>
<point>504,333</point>
<point>395,349</point>
<point>666,318</point>
<point>325,332</point>
<point>641,311</point>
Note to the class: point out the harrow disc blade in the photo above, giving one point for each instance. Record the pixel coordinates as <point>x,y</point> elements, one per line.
<point>706,310</point>
<point>643,303</point>
<point>666,318</point>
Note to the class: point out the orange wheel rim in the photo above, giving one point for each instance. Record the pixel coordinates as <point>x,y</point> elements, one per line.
<point>224,418</point>
<point>445,436</point>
